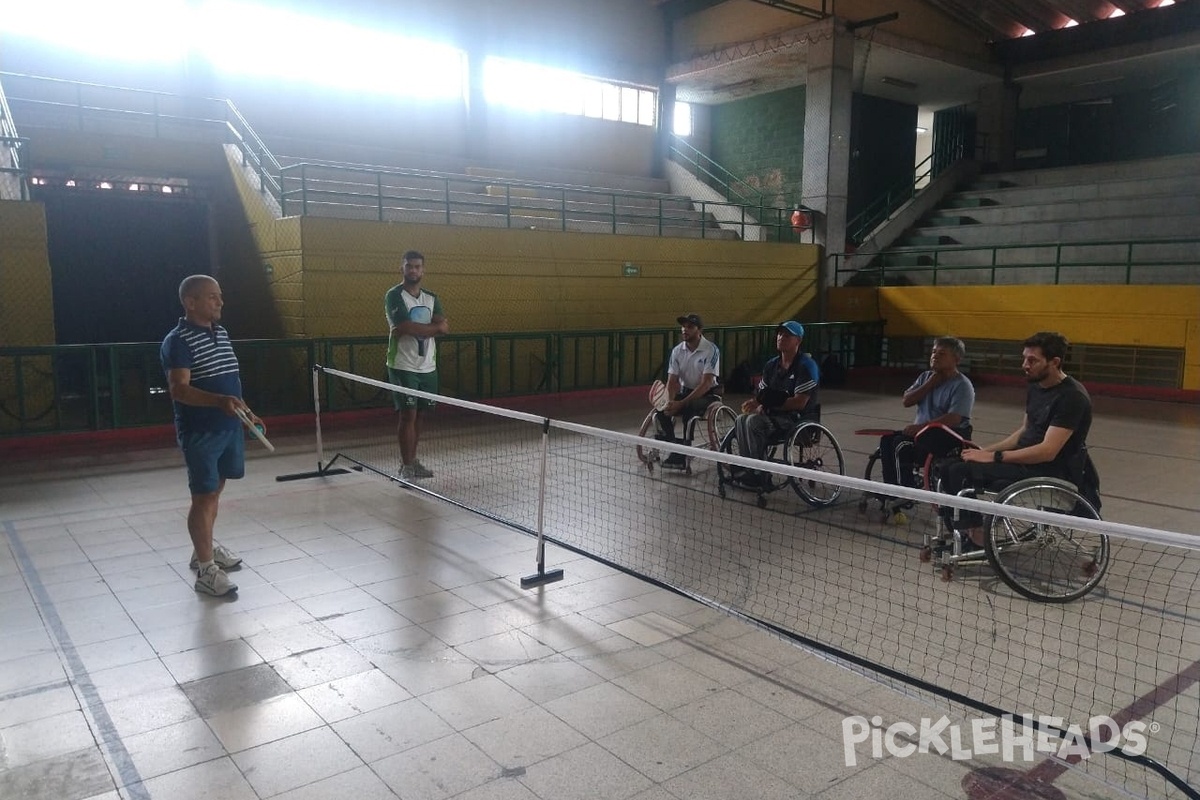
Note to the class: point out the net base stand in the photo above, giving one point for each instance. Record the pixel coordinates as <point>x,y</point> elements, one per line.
<point>541,578</point>
<point>320,472</point>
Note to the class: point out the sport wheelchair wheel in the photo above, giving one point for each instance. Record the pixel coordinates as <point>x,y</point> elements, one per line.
<point>1048,563</point>
<point>719,422</point>
<point>812,446</point>
<point>648,453</point>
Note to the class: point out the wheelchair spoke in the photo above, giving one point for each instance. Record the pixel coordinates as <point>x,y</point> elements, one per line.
<point>1051,563</point>
<point>812,446</point>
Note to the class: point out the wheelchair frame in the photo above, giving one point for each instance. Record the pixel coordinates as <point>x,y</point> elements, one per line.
<point>717,419</point>
<point>1047,563</point>
<point>802,447</point>
<point>892,508</point>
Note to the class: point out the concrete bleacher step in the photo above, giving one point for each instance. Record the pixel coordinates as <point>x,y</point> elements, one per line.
<point>489,172</point>
<point>1166,167</point>
<point>1133,188</point>
<point>1098,209</point>
<point>925,240</point>
<point>961,201</point>
<point>947,221</point>
<point>991,183</point>
<point>1128,228</point>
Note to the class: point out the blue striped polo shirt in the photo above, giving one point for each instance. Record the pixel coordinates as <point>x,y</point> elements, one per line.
<point>208,353</point>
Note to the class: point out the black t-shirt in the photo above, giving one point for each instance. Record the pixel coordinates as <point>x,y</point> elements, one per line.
<point>1064,405</point>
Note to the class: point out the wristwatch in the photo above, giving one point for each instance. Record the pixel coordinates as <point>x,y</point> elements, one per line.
<point>998,457</point>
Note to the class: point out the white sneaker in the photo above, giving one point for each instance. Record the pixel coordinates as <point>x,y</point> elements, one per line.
<point>419,470</point>
<point>405,473</point>
<point>223,557</point>
<point>214,581</point>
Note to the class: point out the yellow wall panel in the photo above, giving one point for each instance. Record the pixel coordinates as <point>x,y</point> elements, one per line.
<point>1147,316</point>
<point>26,291</point>
<point>518,280</point>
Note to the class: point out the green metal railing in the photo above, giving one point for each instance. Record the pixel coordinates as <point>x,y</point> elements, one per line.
<point>10,152</point>
<point>65,388</point>
<point>1065,259</point>
<point>448,198</point>
<point>775,213</point>
<point>882,207</point>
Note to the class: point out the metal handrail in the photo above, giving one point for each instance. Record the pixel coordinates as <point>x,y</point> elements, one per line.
<point>1058,263</point>
<point>706,167</point>
<point>882,207</point>
<point>12,144</point>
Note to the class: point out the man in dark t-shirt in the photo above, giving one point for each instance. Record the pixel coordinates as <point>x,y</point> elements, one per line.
<point>1053,435</point>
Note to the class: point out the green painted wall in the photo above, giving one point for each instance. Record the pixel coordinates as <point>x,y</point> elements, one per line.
<point>761,140</point>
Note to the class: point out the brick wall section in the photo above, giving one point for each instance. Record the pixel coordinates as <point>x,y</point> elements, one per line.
<point>761,140</point>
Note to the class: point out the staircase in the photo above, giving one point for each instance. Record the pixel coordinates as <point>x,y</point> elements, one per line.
<point>1127,222</point>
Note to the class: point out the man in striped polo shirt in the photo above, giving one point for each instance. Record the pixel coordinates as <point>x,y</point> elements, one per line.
<point>206,390</point>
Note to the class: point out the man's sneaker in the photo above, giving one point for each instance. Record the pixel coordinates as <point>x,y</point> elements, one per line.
<point>419,470</point>
<point>405,473</point>
<point>213,580</point>
<point>223,557</point>
<point>675,461</point>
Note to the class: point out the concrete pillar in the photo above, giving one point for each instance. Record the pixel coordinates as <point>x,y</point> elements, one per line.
<point>666,127</point>
<point>827,102</point>
<point>996,122</point>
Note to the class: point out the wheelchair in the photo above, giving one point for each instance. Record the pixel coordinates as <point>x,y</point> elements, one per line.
<point>912,465</point>
<point>807,444</point>
<point>717,420</point>
<point>1043,562</point>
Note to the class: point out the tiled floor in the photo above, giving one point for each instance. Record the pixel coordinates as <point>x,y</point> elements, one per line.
<point>380,645</point>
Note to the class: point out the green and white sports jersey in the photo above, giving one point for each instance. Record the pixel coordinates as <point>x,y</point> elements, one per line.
<point>411,353</point>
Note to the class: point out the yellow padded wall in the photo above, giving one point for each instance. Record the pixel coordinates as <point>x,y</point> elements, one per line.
<point>519,280</point>
<point>26,292</point>
<point>1149,316</point>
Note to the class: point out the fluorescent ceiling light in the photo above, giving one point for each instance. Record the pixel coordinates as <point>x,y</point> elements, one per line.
<point>922,130</point>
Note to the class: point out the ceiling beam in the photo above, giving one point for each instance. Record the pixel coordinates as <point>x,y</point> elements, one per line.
<point>804,11</point>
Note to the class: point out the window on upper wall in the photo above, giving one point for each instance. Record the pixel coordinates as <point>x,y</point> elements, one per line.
<point>532,87</point>
<point>683,119</point>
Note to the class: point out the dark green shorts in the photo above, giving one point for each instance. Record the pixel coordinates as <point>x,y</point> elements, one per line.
<point>421,381</point>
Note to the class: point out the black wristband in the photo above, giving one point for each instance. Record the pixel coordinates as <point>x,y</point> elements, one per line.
<point>998,457</point>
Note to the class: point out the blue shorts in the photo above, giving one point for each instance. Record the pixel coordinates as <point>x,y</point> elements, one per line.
<point>421,381</point>
<point>211,457</point>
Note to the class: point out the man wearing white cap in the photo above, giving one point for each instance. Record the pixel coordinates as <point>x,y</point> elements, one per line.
<point>786,392</point>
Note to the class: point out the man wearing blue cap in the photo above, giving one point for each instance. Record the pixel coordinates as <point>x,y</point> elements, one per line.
<point>786,392</point>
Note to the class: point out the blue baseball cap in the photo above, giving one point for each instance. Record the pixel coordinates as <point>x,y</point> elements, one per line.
<point>792,327</point>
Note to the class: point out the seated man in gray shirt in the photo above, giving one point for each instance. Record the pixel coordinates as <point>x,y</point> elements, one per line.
<point>942,395</point>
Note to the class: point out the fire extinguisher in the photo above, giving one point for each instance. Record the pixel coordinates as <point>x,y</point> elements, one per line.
<point>801,221</point>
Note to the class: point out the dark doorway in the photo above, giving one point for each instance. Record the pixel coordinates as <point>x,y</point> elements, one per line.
<point>1091,132</point>
<point>116,262</point>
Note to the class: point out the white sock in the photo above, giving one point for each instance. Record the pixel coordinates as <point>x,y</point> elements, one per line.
<point>203,565</point>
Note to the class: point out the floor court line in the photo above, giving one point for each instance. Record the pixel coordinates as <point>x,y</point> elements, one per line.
<point>105,731</point>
